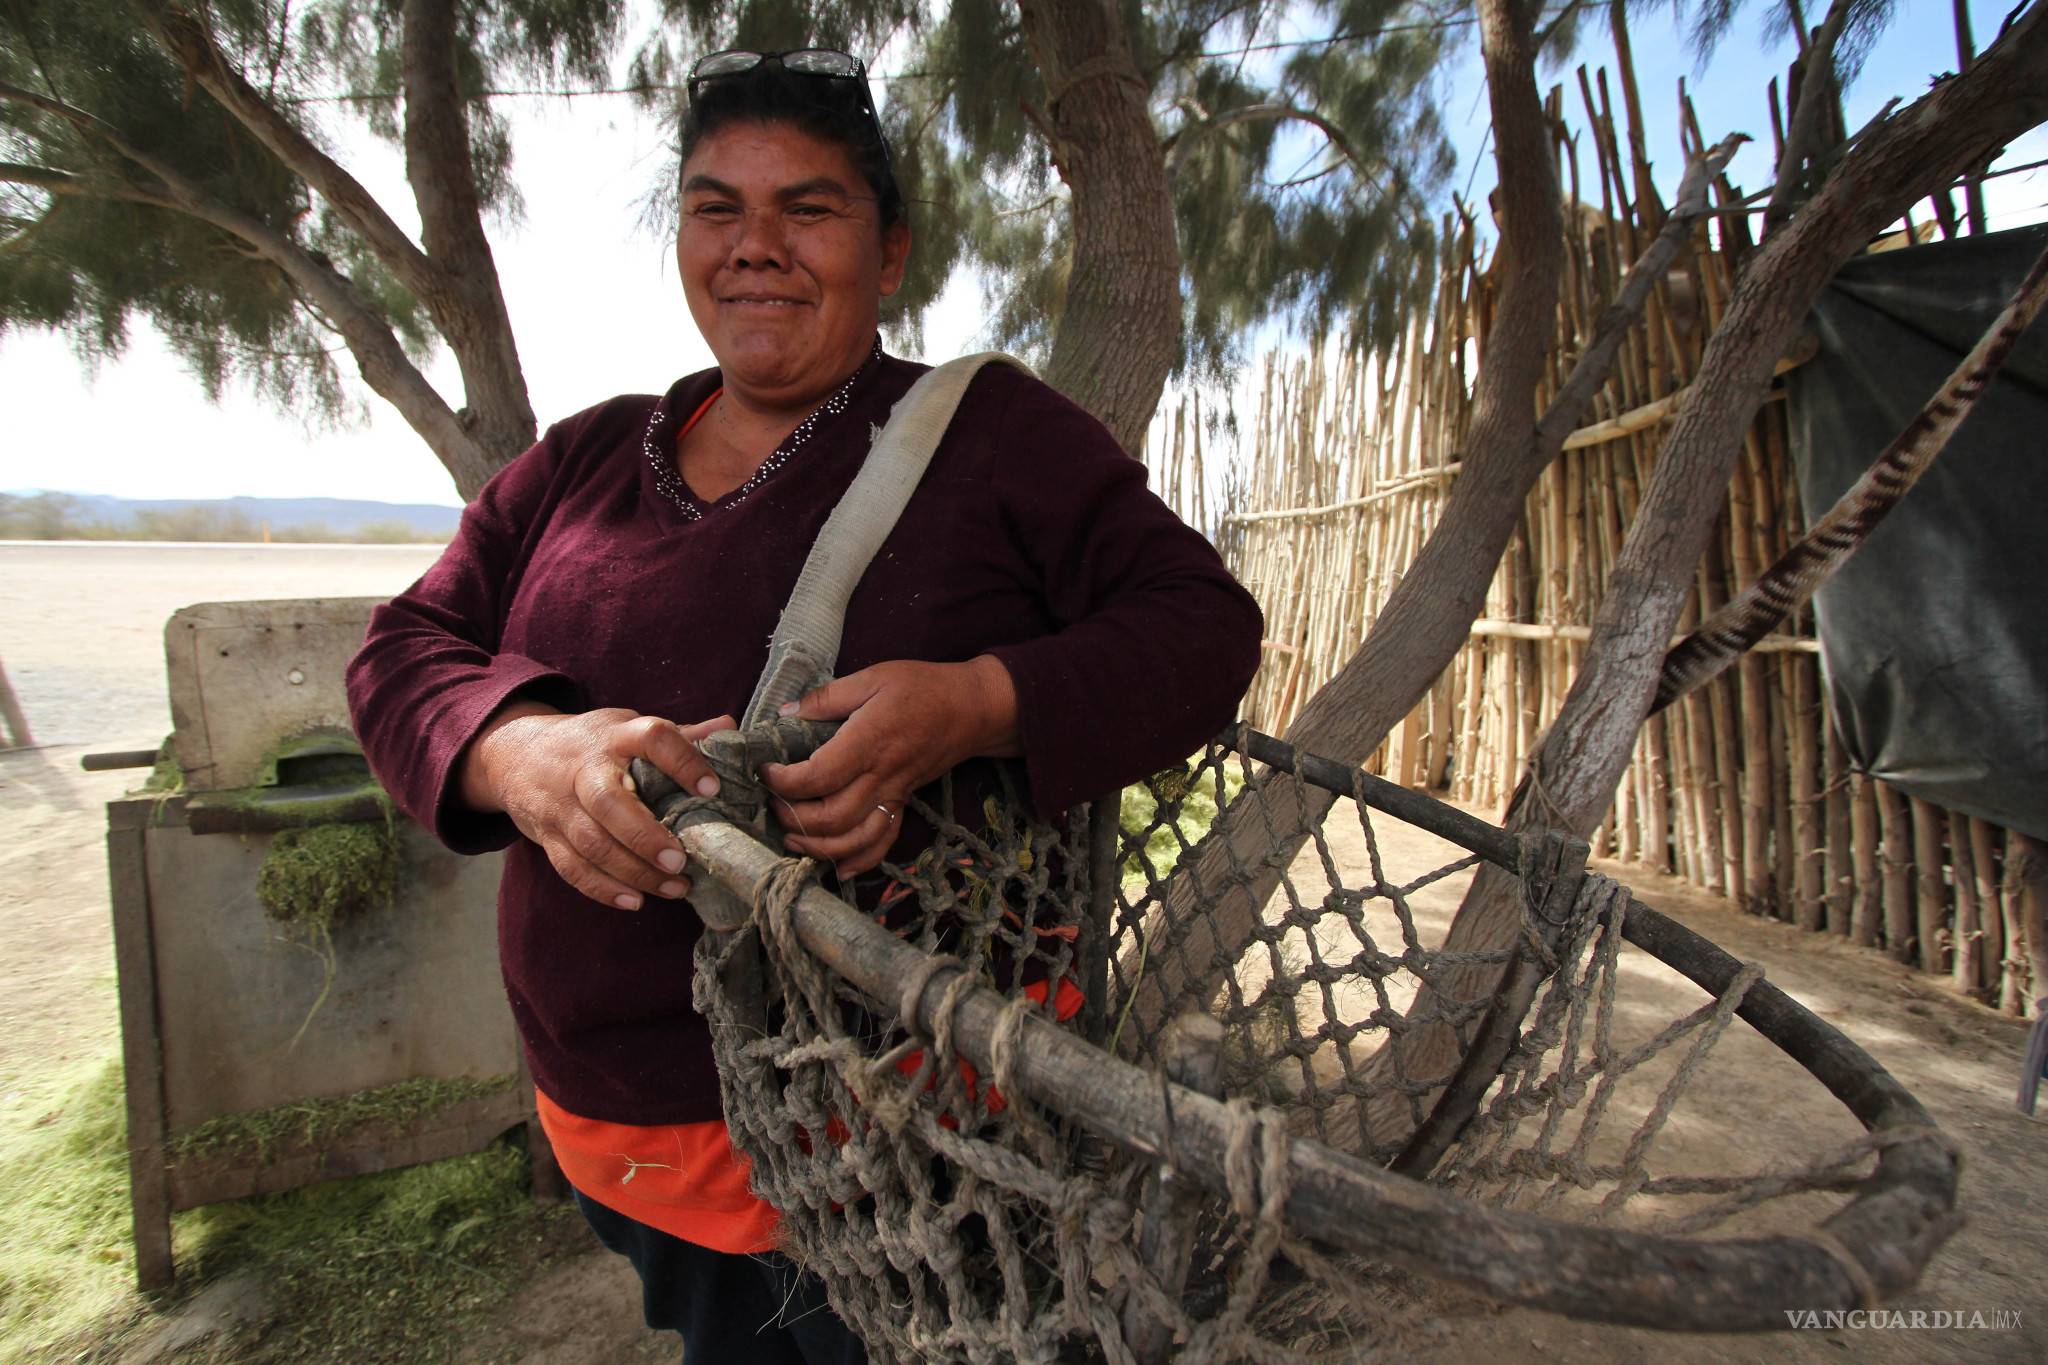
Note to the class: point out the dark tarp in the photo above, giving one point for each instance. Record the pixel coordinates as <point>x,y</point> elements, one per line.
<point>1934,637</point>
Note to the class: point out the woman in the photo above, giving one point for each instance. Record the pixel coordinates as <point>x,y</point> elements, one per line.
<point>610,596</point>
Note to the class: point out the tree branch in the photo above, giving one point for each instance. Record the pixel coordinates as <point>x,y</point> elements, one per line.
<point>193,49</point>
<point>1298,181</point>
<point>439,167</point>
<point>1814,88</point>
<point>81,187</point>
<point>284,38</point>
<point>1176,145</point>
<point>1557,20</point>
<point>1590,372</point>
<point>437,151</point>
<point>96,127</point>
<point>1426,619</point>
<point>1575,768</point>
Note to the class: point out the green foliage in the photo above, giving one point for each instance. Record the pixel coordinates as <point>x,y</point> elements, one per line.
<point>1174,810</point>
<point>193,524</point>
<point>378,1268</point>
<point>1301,171</point>
<point>88,263</point>
<point>378,533</point>
<point>381,1267</point>
<point>256,1135</point>
<point>65,1255</point>
<point>1713,20</point>
<point>312,879</point>
<point>166,775</point>
<point>1323,227</point>
<point>44,516</point>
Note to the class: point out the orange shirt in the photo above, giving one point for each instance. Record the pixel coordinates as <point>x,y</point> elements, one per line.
<point>683,1178</point>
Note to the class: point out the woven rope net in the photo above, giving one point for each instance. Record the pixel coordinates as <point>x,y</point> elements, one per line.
<point>953,1222</point>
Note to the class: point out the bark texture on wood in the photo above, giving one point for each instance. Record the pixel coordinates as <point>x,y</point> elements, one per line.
<point>471,314</point>
<point>1990,910</point>
<point>1121,326</point>
<point>1194,1060</point>
<point>1804,132</point>
<point>2019,935</point>
<point>1967,969</point>
<point>1865,915</point>
<point>1930,896</point>
<point>1795,575</point>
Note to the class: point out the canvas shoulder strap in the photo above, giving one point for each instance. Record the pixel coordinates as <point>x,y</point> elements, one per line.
<point>805,647</point>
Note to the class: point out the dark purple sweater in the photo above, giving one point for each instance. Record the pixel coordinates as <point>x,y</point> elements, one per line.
<point>575,580</point>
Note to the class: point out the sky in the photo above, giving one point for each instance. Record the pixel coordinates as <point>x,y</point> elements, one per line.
<point>598,311</point>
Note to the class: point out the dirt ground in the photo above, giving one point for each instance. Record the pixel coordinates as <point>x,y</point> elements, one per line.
<point>80,636</point>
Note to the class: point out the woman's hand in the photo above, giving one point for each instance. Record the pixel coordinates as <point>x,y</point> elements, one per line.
<point>906,723</point>
<point>562,779</point>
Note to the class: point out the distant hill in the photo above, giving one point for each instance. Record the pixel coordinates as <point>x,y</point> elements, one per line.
<point>56,514</point>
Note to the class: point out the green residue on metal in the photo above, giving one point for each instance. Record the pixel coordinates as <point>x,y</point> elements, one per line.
<point>166,777</point>
<point>260,1133</point>
<point>302,807</point>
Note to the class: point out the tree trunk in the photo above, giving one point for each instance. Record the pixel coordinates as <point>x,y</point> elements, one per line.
<point>1120,329</point>
<point>1895,162</point>
<point>474,323</point>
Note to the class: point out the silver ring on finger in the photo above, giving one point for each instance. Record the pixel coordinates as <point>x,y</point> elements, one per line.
<point>884,808</point>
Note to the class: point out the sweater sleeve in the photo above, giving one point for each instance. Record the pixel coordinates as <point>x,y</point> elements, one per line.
<point>1156,642</point>
<point>430,671</point>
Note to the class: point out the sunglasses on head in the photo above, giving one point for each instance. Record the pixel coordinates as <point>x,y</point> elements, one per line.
<point>823,62</point>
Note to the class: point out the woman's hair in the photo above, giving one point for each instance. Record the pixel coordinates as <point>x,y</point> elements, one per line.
<point>832,109</point>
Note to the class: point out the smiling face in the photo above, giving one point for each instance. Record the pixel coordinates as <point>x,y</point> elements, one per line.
<point>784,261</point>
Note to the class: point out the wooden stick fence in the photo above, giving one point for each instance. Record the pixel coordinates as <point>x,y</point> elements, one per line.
<point>1741,788</point>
